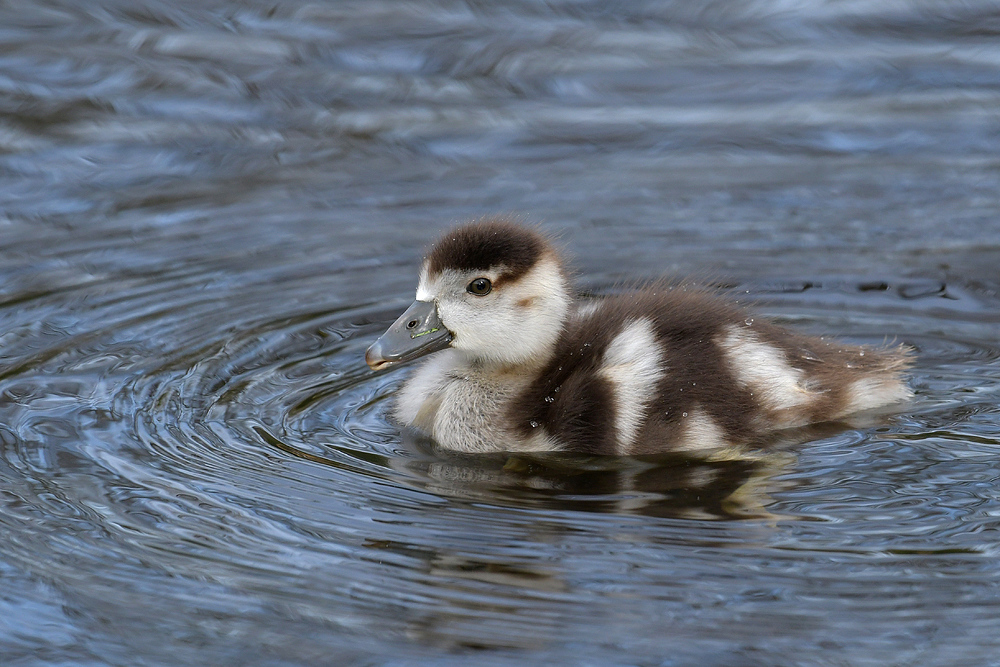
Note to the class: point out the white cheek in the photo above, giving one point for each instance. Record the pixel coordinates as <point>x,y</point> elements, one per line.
<point>452,316</point>
<point>486,328</point>
<point>517,322</point>
<point>470,322</point>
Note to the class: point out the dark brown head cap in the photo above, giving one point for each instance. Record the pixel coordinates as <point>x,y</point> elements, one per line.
<point>486,244</point>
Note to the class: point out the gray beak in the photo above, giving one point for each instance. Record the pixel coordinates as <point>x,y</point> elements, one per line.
<point>417,332</point>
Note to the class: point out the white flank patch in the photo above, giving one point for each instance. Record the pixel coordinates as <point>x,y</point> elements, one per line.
<point>633,365</point>
<point>700,433</point>
<point>538,441</point>
<point>764,370</point>
<point>871,393</point>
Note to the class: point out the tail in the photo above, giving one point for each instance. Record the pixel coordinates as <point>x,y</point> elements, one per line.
<point>880,380</point>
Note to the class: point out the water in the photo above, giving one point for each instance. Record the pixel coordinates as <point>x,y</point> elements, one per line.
<point>208,210</point>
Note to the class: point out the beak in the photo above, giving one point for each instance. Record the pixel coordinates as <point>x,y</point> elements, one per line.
<point>417,332</point>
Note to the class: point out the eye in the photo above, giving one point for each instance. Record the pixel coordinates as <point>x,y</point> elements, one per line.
<point>480,287</point>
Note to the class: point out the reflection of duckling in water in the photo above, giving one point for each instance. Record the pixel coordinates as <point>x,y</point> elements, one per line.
<point>664,485</point>
<point>520,366</point>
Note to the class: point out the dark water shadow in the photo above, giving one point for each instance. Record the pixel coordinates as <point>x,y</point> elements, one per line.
<point>732,484</point>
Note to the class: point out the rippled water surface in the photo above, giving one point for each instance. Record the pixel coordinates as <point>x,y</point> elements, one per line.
<point>208,210</point>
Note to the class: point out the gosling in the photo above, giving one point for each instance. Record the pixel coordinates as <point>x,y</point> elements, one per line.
<point>518,364</point>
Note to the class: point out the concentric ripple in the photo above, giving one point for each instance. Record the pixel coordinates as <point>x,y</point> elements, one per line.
<point>247,470</point>
<point>209,209</point>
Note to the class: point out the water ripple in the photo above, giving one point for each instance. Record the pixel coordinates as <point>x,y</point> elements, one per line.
<point>208,211</point>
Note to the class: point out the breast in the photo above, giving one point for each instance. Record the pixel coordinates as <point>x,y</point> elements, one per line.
<point>463,409</point>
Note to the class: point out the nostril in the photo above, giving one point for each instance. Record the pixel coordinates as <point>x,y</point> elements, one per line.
<point>412,324</point>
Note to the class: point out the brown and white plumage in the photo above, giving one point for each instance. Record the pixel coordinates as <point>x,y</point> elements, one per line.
<point>519,365</point>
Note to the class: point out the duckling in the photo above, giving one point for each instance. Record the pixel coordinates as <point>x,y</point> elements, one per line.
<point>519,365</point>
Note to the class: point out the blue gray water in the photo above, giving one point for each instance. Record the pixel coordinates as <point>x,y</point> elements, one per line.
<point>209,209</point>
